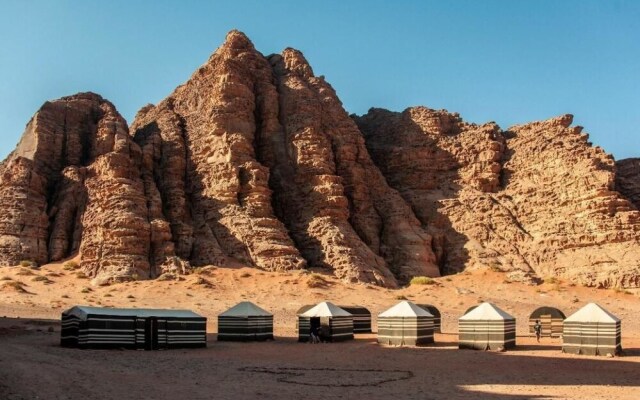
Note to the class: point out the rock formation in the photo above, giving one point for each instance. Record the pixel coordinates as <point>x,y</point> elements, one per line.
<point>537,200</point>
<point>254,161</point>
<point>73,184</point>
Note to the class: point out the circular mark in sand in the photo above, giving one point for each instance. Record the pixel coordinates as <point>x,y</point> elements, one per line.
<point>332,377</point>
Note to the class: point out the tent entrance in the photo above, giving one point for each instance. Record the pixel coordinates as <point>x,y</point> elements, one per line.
<point>325,328</point>
<point>151,333</point>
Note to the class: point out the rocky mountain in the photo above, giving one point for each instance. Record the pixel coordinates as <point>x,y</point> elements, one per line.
<point>254,161</point>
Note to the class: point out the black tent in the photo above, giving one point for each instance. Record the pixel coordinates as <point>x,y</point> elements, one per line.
<point>436,315</point>
<point>245,322</point>
<point>335,323</point>
<point>361,316</point>
<point>551,320</point>
<point>132,328</point>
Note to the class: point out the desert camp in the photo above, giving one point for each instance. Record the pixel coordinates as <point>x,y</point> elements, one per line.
<point>592,330</point>
<point>335,323</point>
<point>405,324</point>
<point>245,322</point>
<point>486,327</point>
<point>148,329</point>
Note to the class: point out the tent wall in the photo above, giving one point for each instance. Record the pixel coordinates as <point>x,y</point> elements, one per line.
<point>245,328</point>
<point>591,338</point>
<point>487,334</point>
<point>410,331</point>
<point>70,330</point>
<point>551,326</point>
<point>551,320</point>
<point>361,319</point>
<point>341,328</point>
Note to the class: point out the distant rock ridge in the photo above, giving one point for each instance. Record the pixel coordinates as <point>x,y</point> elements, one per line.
<point>254,161</point>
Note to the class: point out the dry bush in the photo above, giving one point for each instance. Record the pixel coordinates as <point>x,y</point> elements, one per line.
<point>28,264</point>
<point>70,266</point>
<point>316,281</point>
<point>16,286</point>
<point>422,280</point>
<point>86,290</point>
<point>41,278</point>
<point>81,275</point>
<point>245,275</point>
<point>25,272</point>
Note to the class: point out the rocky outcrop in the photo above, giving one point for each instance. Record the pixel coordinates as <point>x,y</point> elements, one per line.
<point>538,199</point>
<point>628,179</point>
<point>254,161</point>
<point>274,173</point>
<point>73,185</point>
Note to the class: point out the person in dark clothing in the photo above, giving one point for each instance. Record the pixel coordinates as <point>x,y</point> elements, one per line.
<point>314,336</point>
<point>537,328</point>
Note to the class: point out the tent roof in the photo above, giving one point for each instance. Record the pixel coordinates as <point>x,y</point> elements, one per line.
<point>486,311</point>
<point>406,309</point>
<point>245,309</point>
<point>554,312</point>
<point>592,313</point>
<point>84,311</point>
<point>326,309</point>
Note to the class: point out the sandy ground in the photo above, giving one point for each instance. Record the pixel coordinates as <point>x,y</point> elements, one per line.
<point>33,366</point>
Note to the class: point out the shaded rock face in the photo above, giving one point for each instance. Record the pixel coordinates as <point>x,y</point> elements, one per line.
<point>73,184</point>
<point>537,199</point>
<point>254,161</point>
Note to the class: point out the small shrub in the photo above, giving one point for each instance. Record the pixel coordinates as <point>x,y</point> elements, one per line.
<point>131,296</point>
<point>316,281</point>
<point>245,275</point>
<point>401,297</point>
<point>65,296</point>
<point>627,292</point>
<point>86,290</point>
<point>81,275</point>
<point>28,264</point>
<point>551,280</point>
<point>70,266</point>
<point>15,285</point>
<point>5,278</point>
<point>495,267</point>
<point>108,295</point>
<point>41,278</point>
<point>25,272</point>
<point>203,282</point>
<point>422,280</point>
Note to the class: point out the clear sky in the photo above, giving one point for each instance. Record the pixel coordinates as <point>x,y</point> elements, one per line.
<point>504,61</point>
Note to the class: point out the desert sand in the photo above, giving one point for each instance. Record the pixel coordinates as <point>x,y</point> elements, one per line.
<point>34,366</point>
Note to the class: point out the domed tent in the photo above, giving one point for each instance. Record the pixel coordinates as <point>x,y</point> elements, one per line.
<point>405,324</point>
<point>487,327</point>
<point>551,320</point>
<point>593,331</point>
<point>245,322</point>
<point>132,328</point>
<point>433,310</point>
<point>361,317</point>
<point>336,323</point>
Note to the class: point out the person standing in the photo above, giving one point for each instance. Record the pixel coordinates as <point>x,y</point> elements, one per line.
<point>537,328</point>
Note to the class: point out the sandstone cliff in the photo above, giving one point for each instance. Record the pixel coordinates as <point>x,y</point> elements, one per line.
<point>73,184</point>
<point>537,200</point>
<point>254,161</point>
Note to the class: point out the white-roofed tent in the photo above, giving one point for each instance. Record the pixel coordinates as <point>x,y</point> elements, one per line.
<point>335,323</point>
<point>486,327</point>
<point>591,330</point>
<point>149,329</point>
<point>405,324</point>
<point>361,316</point>
<point>245,322</point>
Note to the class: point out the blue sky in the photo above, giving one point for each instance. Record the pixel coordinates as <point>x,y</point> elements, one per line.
<point>504,61</point>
